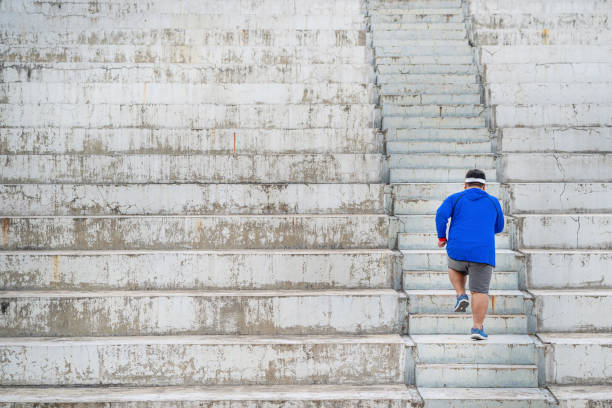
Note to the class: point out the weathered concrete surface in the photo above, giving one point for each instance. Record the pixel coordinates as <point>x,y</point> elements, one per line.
<point>461,323</point>
<point>476,375</point>
<point>568,269</point>
<point>311,396</point>
<point>171,270</point>
<point>550,93</point>
<point>442,301</point>
<point>570,72</point>
<point>204,360</point>
<point>437,260</point>
<point>560,139</point>
<point>549,115</point>
<point>577,310</point>
<point>423,280</point>
<point>582,396</point>
<point>190,199</point>
<point>545,54</point>
<point>556,167</point>
<point>131,313</point>
<point>562,198</point>
<point>281,168</point>
<point>298,231</point>
<point>486,397</point>
<point>565,231</point>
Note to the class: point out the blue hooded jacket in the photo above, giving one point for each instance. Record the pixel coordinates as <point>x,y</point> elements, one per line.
<point>476,217</point>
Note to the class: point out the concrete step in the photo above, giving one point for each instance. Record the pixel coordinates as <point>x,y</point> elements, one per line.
<point>190,199</point>
<point>423,280</point>
<point>424,47</point>
<point>581,396</point>
<point>429,99</point>
<point>502,302</point>
<point>398,4</point>
<point>442,42</point>
<point>202,270</point>
<point>544,54</point>
<point>577,310</point>
<point>448,135</point>
<point>476,375</point>
<point>424,20</point>
<point>568,269</point>
<point>429,89</point>
<point>53,140</point>
<point>170,54</point>
<point>548,73</point>
<point>300,72</point>
<point>429,240</point>
<point>432,122</point>
<point>426,78</point>
<point>297,231</point>
<point>565,231</point>
<point>189,116</point>
<point>424,59</point>
<point>433,110</point>
<point>217,168</point>
<point>437,260</point>
<point>340,396</point>
<point>142,313</point>
<point>418,9</point>
<point>408,147</point>
<point>25,93</point>
<point>460,349</point>
<point>421,69</point>
<point>549,115</point>
<point>457,323</point>
<point>440,175</point>
<point>558,140</point>
<point>204,360</point>
<point>487,397</point>
<point>550,93</point>
<point>426,223</point>
<point>577,357</point>
<point>443,161</point>
<point>572,197</point>
<point>557,167</point>
<point>418,34</point>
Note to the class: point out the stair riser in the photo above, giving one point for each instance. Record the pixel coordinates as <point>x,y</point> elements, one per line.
<point>456,135</point>
<point>430,49</point>
<point>438,147</point>
<point>439,280</point>
<point>186,141</point>
<point>494,324</point>
<point>426,69</point>
<point>425,59</point>
<point>434,191</point>
<point>498,304</point>
<point>201,364</point>
<point>189,116</point>
<point>388,37</point>
<point>569,312</point>
<point>214,232</point>
<point>426,224</point>
<point>430,241</point>
<point>442,161</point>
<point>439,261</point>
<point>429,99</point>
<point>185,270</point>
<point>436,123</point>
<point>429,89</point>
<point>434,175</point>
<point>192,169</point>
<point>194,199</point>
<point>126,315</point>
<point>435,111</point>
<point>415,207</point>
<point>476,353</point>
<point>417,4</point>
<point>438,79</point>
<point>477,377</point>
<point>409,21</point>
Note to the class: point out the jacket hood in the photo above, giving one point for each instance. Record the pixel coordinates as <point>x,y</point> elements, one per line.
<point>474,194</point>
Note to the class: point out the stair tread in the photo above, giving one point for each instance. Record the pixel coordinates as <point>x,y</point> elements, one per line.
<point>450,292</point>
<point>429,393</point>
<point>463,339</point>
<point>90,252</point>
<point>477,366</point>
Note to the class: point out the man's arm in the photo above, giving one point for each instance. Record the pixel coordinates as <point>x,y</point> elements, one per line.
<point>499,221</point>
<point>442,215</point>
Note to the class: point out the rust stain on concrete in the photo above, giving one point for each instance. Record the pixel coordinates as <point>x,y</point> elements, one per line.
<point>56,269</point>
<point>5,226</point>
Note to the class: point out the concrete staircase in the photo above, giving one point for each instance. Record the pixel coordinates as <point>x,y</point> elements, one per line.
<point>194,209</point>
<point>436,128</point>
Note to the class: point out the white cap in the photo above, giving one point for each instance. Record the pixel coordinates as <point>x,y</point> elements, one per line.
<point>475,180</point>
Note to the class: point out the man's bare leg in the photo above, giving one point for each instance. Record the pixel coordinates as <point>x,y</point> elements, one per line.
<point>480,303</point>
<point>458,280</point>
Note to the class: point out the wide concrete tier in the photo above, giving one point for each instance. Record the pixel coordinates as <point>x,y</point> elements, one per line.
<point>563,35</point>
<point>26,93</point>
<point>577,310</point>
<point>190,116</point>
<point>192,168</point>
<point>175,270</point>
<point>565,231</point>
<point>548,73</point>
<point>544,54</point>
<point>539,9</point>
<point>204,73</point>
<point>487,397</point>
<point>170,54</point>
<point>297,231</point>
<point>54,140</point>
<point>577,198</point>
<point>461,323</point>
<point>190,199</point>
<point>550,93</point>
<point>551,115</point>
<point>437,260</point>
<point>203,360</point>
<point>282,396</point>
<point>567,269</point>
<point>556,139</point>
<point>460,349</point>
<point>578,358</point>
<point>582,396</point>
<point>556,167</point>
<point>427,280</point>
<point>501,302</point>
<point>139,313</point>
<point>476,375</point>
<point>448,147</point>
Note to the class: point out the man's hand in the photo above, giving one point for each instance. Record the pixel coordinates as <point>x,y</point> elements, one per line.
<point>441,242</point>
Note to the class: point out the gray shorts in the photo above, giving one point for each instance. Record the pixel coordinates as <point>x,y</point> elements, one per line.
<point>480,274</point>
